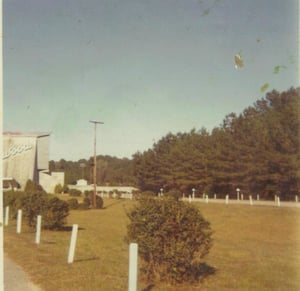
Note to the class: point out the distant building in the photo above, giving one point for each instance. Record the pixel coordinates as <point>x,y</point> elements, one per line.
<point>26,157</point>
<point>104,191</point>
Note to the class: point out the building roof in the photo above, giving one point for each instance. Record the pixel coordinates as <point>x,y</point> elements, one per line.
<point>25,133</point>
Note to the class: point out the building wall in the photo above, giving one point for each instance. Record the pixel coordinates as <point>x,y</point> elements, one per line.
<point>49,181</point>
<point>19,158</point>
<point>24,155</point>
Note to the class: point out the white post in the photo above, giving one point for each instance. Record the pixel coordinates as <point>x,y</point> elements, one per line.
<point>227,199</point>
<point>6,215</point>
<point>19,221</point>
<point>278,201</point>
<point>242,196</point>
<point>73,243</point>
<point>250,199</point>
<point>190,199</point>
<point>257,197</point>
<point>206,198</point>
<point>133,267</point>
<point>38,229</point>
<point>215,196</point>
<point>296,198</point>
<point>193,193</point>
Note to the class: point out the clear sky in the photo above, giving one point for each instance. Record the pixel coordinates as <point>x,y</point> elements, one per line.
<point>143,67</point>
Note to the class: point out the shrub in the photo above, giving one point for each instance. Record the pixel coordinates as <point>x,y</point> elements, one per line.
<point>173,237</point>
<point>58,189</point>
<point>53,210</point>
<point>74,192</point>
<point>32,186</point>
<point>89,199</point>
<point>56,213</point>
<point>73,203</point>
<point>174,194</point>
<point>13,199</point>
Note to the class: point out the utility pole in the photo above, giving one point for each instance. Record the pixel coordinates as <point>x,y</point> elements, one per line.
<point>95,161</point>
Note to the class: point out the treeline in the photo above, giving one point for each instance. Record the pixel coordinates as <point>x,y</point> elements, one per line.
<point>256,151</point>
<point>110,170</point>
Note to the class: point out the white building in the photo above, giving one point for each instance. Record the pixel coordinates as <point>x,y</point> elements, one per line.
<point>26,157</point>
<point>104,191</point>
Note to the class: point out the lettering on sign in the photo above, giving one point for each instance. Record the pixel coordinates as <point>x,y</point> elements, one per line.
<point>16,149</point>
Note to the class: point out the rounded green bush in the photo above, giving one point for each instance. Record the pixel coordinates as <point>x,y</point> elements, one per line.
<point>173,237</point>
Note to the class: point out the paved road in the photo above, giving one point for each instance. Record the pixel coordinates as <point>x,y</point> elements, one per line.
<point>15,279</point>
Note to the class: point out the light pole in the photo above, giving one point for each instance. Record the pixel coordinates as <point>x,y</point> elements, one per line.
<point>95,161</point>
<point>238,193</point>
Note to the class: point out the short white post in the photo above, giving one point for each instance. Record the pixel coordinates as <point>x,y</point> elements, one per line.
<point>190,199</point>
<point>242,196</point>
<point>19,221</point>
<point>6,215</point>
<point>250,199</point>
<point>257,197</point>
<point>215,196</point>
<point>227,199</point>
<point>296,198</point>
<point>206,198</point>
<point>38,229</point>
<point>73,243</point>
<point>193,193</point>
<point>278,201</point>
<point>133,267</point>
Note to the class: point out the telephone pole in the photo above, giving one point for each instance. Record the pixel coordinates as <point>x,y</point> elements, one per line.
<point>95,161</point>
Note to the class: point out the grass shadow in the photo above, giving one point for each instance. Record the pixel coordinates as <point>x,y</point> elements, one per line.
<point>204,270</point>
<point>149,287</point>
<point>86,260</point>
<point>119,201</point>
<point>69,228</point>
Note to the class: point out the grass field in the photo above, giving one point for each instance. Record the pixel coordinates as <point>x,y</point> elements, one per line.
<point>254,248</point>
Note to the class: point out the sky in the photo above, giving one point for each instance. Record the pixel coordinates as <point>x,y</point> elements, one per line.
<point>143,67</point>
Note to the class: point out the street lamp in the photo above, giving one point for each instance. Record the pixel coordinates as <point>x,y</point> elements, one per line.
<point>95,161</point>
<point>238,193</point>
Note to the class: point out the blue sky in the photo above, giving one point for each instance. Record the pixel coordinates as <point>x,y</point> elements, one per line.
<point>143,67</point>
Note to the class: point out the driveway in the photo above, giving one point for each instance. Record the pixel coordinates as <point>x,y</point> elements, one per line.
<point>15,279</point>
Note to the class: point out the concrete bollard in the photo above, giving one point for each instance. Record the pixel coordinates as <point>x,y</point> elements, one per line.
<point>6,215</point>
<point>215,196</point>
<point>19,221</point>
<point>206,198</point>
<point>133,267</point>
<point>278,201</point>
<point>296,198</point>
<point>38,229</point>
<point>190,198</point>
<point>73,243</point>
<point>227,199</point>
<point>257,197</point>
<point>250,200</point>
<point>242,196</point>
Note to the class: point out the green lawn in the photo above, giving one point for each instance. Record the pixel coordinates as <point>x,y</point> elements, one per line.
<point>255,248</point>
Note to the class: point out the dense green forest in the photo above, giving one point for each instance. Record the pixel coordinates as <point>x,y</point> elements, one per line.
<point>256,151</point>
<point>110,170</point>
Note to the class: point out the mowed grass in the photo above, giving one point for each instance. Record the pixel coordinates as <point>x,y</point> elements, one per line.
<point>254,248</point>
